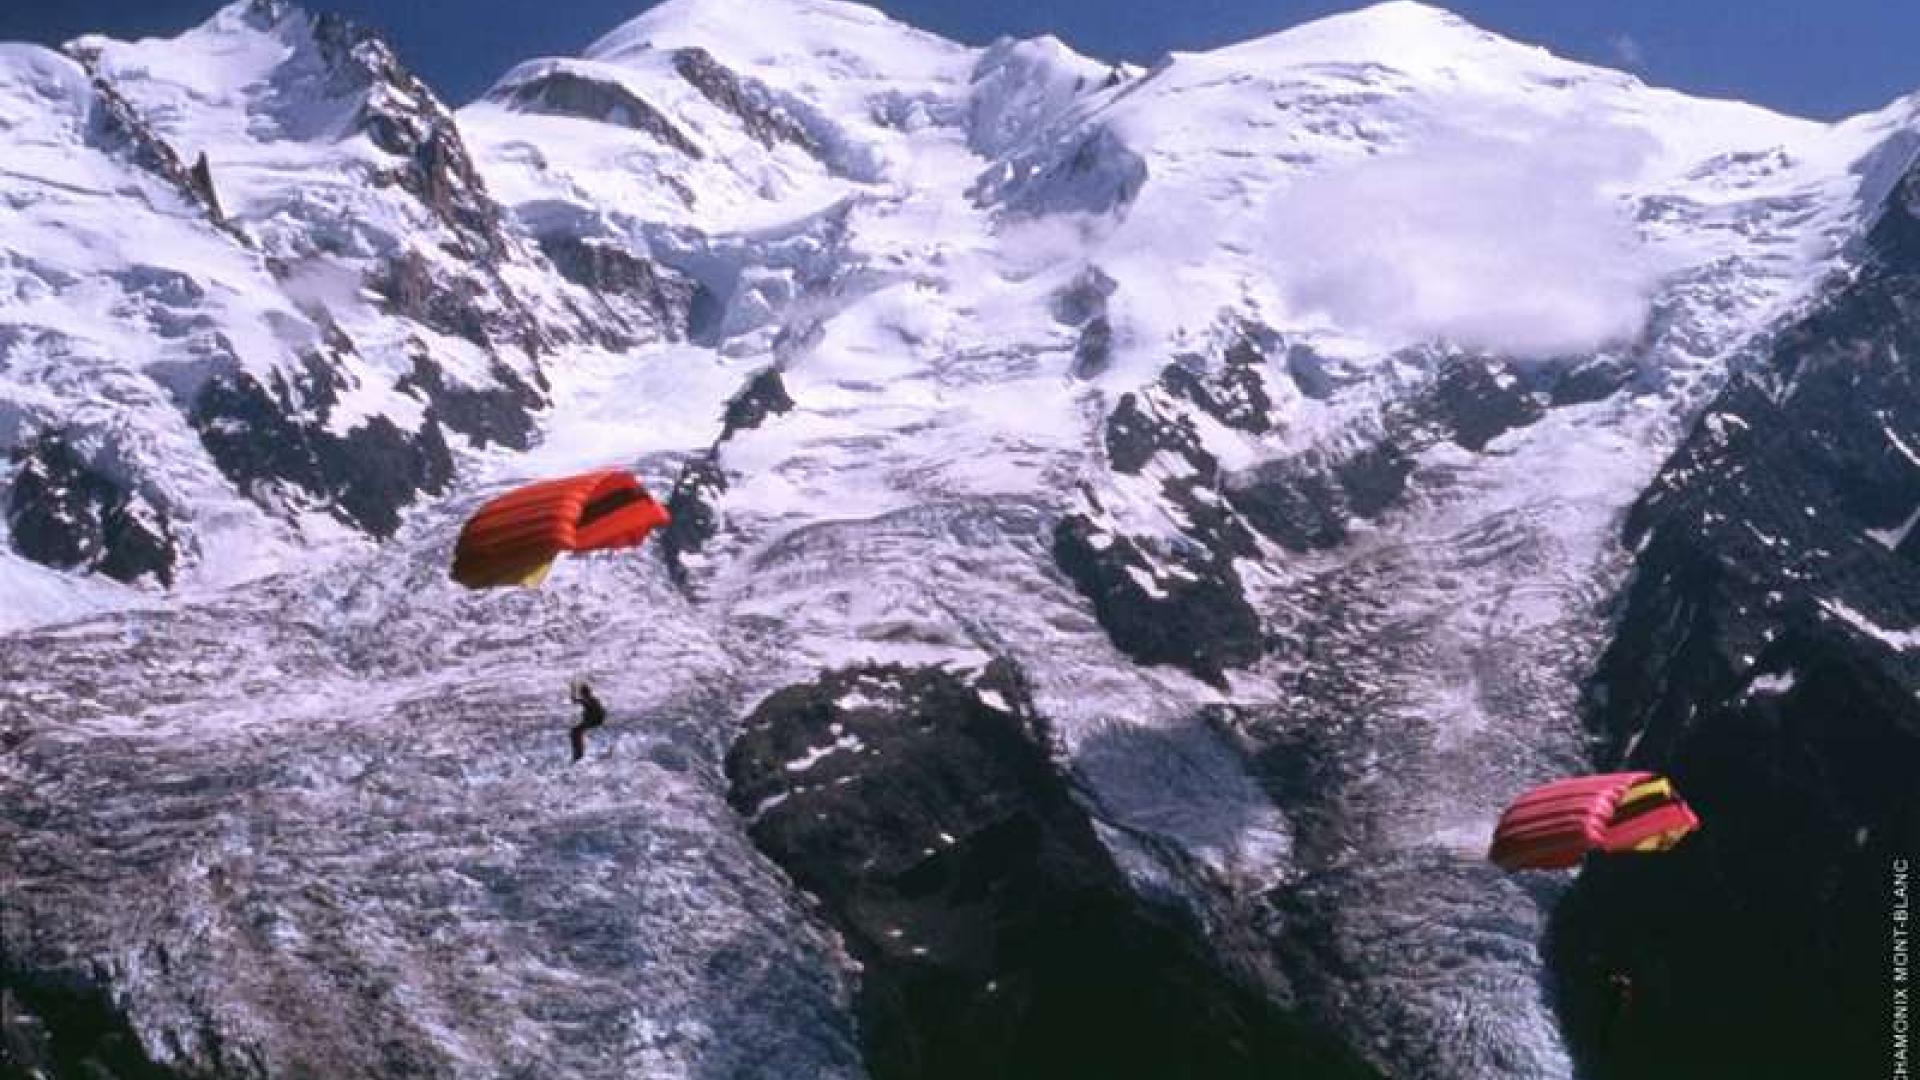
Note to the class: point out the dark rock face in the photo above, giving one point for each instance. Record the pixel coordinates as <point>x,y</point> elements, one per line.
<point>567,93</point>
<point>1134,436</point>
<point>1185,605</point>
<point>271,434</point>
<point>765,396</point>
<point>1094,351</point>
<point>1761,659</point>
<point>1083,303</point>
<point>1309,373</point>
<point>451,306</point>
<point>1592,380</point>
<point>117,128</point>
<point>258,435</point>
<point>1476,402</point>
<point>1235,396</point>
<point>637,292</point>
<point>1159,420</point>
<point>1298,505</point>
<point>1085,298</point>
<point>1306,504</point>
<point>402,116</point>
<point>54,1027</point>
<point>64,513</point>
<point>695,522</point>
<point>1188,610</point>
<point>766,122</point>
<point>498,415</point>
<point>995,933</point>
<point>703,480</point>
<point>200,178</point>
<point>1303,502</point>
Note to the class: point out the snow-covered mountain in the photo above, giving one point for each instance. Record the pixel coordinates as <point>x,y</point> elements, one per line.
<point>1134,529</point>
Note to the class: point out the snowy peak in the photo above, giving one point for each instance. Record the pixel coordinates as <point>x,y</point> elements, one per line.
<point>825,39</point>
<point>292,331</point>
<point>1400,33</point>
<point>44,96</point>
<point>261,74</point>
<point>1022,86</point>
<point>255,72</point>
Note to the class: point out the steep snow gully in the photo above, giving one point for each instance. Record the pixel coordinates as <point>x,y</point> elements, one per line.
<point>1133,531</point>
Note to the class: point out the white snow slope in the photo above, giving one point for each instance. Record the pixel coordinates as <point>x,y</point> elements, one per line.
<point>328,765</point>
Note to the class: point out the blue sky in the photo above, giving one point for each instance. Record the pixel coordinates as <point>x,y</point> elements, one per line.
<point>1801,56</point>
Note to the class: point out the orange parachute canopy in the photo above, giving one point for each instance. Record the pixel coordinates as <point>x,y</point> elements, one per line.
<point>514,539</point>
<point>1553,827</point>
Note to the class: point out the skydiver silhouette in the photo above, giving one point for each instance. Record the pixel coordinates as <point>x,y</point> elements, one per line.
<point>592,715</point>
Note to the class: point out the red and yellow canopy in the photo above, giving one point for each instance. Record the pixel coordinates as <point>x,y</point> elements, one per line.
<point>514,539</point>
<point>1555,826</point>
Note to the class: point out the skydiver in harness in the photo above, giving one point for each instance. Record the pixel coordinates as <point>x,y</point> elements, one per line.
<point>592,715</point>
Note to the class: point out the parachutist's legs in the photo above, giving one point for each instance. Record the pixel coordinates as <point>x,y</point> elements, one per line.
<point>578,735</point>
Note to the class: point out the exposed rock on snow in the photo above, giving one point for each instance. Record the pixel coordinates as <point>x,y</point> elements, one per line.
<point>1189,609</point>
<point>996,934</point>
<point>67,514</point>
<point>1230,401</point>
<point>749,102</point>
<point>566,91</point>
<point>1757,560</point>
<point>703,480</point>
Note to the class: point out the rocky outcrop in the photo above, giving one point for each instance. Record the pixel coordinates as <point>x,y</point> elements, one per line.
<point>764,397</point>
<point>703,481</point>
<point>496,415</point>
<point>64,512</point>
<point>268,420</point>
<point>1084,298</point>
<point>996,935</point>
<point>765,120</point>
<point>414,289</point>
<point>1179,601</point>
<point>1765,659</point>
<point>404,117</point>
<point>1309,373</point>
<point>200,179</point>
<point>1136,433</point>
<point>1187,608</point>
<point>54,1027</point>
<point>1083,304</point>
<point>1474,401</point>
<point>1235,395</point>
<point>643,297</point>
<point>118,128</point>
<point>1308,503</point>
<point>1593,379</point>
<point>1183,602</point>
<point>277,436</point>
<point>1163,420</point>
<point>463,293</point>
<point>1094,350</point>
<point>560,92</point>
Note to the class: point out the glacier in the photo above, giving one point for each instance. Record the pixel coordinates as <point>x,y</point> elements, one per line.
<point>1258,427</point>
